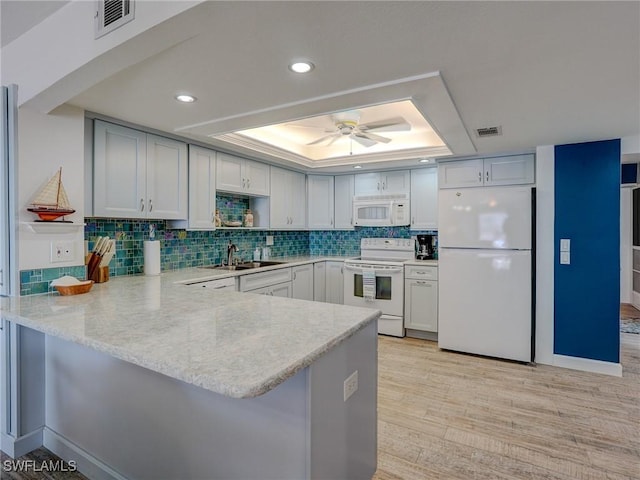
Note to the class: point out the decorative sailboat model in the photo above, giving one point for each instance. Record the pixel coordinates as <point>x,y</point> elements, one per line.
<point>52,202</point>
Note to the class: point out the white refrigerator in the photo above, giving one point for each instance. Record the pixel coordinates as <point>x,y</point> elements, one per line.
<point>485,271</point>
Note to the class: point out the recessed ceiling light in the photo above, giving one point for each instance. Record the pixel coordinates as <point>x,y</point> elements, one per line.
<point>301,67</point>
<point>425,160</point>
<point>357,166</point>
<point>184,98</point>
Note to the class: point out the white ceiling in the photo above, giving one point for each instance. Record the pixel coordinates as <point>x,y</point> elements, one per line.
<point>547,72</point>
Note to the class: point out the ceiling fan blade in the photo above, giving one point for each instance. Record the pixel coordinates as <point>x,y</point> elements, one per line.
<point>326,137</point>
<point>397,124</point>
<point>374,137</point>
<point>362,140</point>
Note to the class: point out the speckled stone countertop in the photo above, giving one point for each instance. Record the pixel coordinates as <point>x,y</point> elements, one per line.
<point>235,344</point>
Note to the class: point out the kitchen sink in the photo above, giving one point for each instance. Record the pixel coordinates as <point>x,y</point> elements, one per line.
<point>244,266</point>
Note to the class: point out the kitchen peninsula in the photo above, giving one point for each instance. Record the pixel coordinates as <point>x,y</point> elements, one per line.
<point>146,378</point>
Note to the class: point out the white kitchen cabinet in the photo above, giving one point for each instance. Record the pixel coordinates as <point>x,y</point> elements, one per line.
<point>424,199</point>
<point>319,281</point>
<point>278,290</point>
<point>239,175</point>
<point>320,202</point>
<point>374,183</point>
<point>288,199</point>
<point>343,201</point>
<point>302,282</point>
<point>202,188</point>
<point>421,298</point>
<point>138,175</point>
<point>508,170</point>
<point>254,281</point>
<point>334,283</point>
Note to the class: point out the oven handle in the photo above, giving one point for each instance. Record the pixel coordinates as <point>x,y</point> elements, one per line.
<point>377,270</point>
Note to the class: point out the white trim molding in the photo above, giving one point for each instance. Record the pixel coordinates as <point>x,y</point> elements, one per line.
<point>588,365</point>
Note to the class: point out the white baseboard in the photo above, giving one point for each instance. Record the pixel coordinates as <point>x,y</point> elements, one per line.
<point>16,447</point>
<point>588,365</point>
<point>87,464</point>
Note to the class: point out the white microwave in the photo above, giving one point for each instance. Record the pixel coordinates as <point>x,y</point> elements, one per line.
<point>381,210</point>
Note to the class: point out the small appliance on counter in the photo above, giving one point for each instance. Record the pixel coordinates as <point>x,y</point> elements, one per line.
<point>426,249</point>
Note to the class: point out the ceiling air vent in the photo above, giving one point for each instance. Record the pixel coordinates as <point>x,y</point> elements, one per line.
<point>489,131</point>
<point>111,14</point>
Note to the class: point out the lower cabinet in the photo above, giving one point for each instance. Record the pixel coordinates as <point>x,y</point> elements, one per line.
<point>302,282</point>
<point>334,282</point>
<point>279,290</point>
<point>319,280</point>
<point>421,298</point>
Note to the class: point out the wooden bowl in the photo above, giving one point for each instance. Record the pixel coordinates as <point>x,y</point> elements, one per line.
<point>76,289</point>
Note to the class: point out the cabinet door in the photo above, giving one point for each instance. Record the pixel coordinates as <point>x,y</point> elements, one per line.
<point>319,279</point>
<point>278,202</point>
<point>320,198</point>
<point>202,188</point>
<point>421,305</point>
<point>302,282</point>
<point>511,170</point>
<point>297,200</point>
<point>424,199</point>
<point>368,183</point>
<point>229,172</point>
<point>256,178</point>
<point>396,182</point>
<point>464,173</point>
<point>119,174</point>
<point>343,201</point>
<point>281,290</point>
<point>167,181</point>
<point>334,282</point>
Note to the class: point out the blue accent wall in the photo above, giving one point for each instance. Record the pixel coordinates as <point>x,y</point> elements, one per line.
<point>587,211</point>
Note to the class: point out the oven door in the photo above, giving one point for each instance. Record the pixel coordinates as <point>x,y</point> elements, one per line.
<point>389,287</point>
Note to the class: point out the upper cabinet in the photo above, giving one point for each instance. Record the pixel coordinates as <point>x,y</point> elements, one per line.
<point>508,170</point>
<point>320,202</point>
<point>344,188</point>
<point>424,199</point>
<point>138,175</point>
<point>287,201</point>
<point>239,175</point>
<point>375,183</point>
<point>202,188</point>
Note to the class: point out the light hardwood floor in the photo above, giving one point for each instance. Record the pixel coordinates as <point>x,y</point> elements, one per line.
<point>445,415</point>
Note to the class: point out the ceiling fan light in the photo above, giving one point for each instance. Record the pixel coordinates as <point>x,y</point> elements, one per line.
<point>425,160</point>
<point>185,98</point>
<point>301,67</point>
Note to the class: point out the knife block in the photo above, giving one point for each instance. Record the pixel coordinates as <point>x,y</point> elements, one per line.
<point>100,274</point>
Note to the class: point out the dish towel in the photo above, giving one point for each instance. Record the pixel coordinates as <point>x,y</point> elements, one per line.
<point>369,284</point>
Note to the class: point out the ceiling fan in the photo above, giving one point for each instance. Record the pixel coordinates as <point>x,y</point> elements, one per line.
<point>346,124</point>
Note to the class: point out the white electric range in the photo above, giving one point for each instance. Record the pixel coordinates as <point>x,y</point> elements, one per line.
<point>376,280</point>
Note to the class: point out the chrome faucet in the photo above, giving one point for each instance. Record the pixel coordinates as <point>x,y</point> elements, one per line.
<point>230,249</point>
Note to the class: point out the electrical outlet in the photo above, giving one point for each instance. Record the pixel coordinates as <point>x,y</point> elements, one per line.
<point>350,385</point>
<point>61,252</point>
<point>269,240</point>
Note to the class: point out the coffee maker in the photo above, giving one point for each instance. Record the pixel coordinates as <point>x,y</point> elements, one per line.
<point>426,247</point>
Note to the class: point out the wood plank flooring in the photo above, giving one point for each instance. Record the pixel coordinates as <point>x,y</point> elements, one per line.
<point>629,311</point>
<point>444,415</point>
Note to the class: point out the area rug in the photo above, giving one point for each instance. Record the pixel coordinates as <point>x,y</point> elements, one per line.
<point>630,325</point>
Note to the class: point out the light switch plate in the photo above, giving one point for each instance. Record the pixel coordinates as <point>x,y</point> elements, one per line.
<point>565,258</point>
<point>565,244</point>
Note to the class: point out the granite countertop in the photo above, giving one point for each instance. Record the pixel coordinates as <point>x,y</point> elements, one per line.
<point>430,263</point>
<point>235,344</point>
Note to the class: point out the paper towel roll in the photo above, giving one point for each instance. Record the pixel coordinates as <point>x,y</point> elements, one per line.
<point>152,257</point>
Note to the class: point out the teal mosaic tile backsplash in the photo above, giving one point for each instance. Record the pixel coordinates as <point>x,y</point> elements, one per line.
<point>182,249</point>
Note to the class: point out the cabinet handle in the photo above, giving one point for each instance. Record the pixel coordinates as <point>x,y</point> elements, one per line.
<point>244,183</point>
<point>378,186</point>
<point>294,275</point>
<point>480,176</point>
<point>248,183</point>
<point>413,220</point>
<point>487,175</point>
<point>1,277</point>
<point>422,282</point>
<point>150,205</point>
<point>331,222</point>
<point>142,204</point>
<point>384,185</point>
